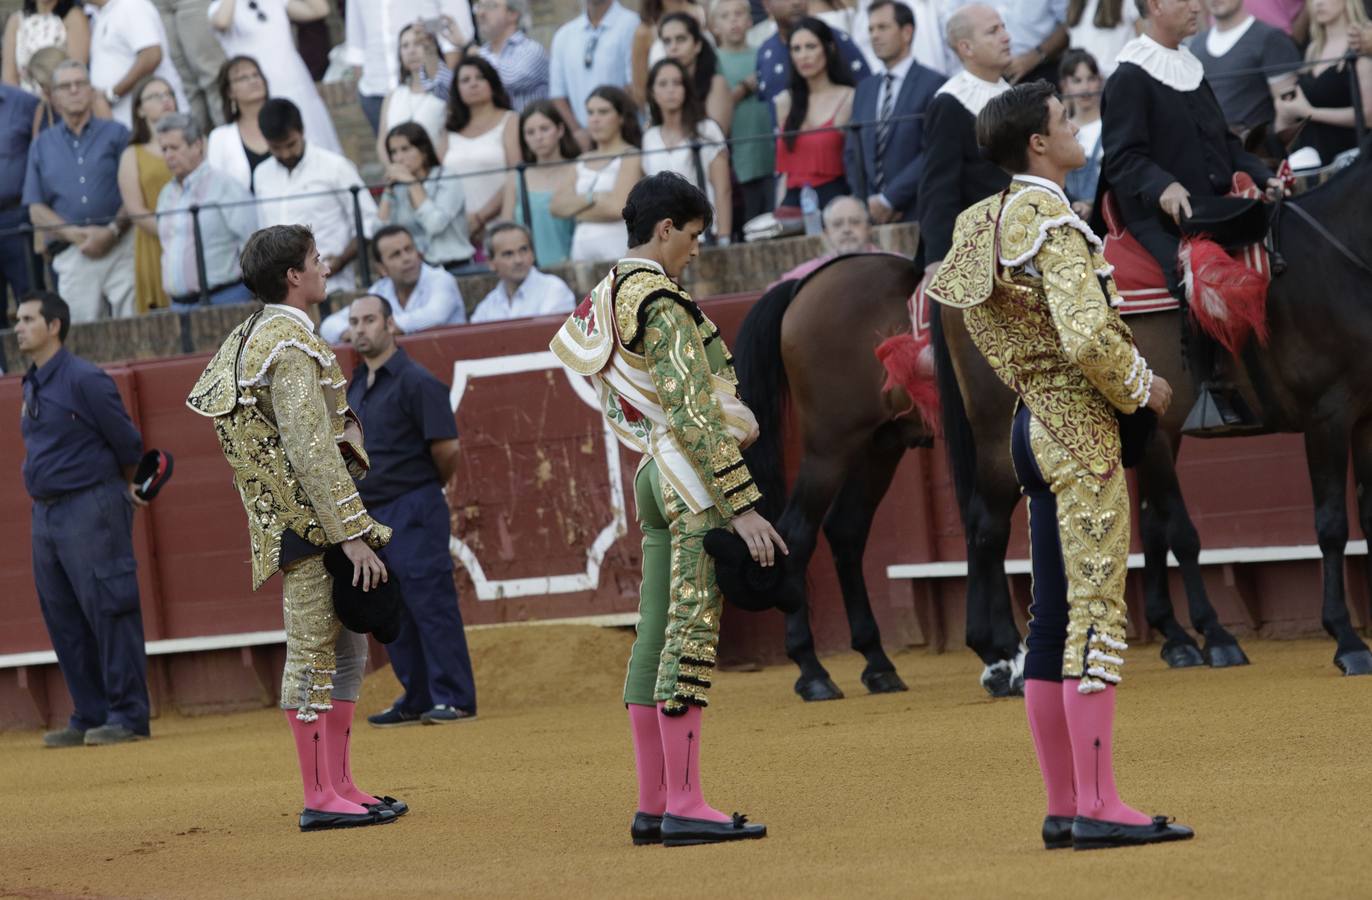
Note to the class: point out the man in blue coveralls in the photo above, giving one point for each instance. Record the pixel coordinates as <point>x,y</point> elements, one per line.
<point>409,433</point>
<point>81,454</point>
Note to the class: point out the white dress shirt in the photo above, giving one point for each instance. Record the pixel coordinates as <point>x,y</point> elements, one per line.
<point>372,36</point>
<point>435,301</point>
<point>315,193</point>
<point>539,295</point>
<point>122,28</point>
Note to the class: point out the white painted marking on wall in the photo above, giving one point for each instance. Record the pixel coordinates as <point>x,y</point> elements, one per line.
<point>464,370</point>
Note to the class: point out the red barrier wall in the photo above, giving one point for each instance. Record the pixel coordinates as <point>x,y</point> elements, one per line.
<point>534,490</point>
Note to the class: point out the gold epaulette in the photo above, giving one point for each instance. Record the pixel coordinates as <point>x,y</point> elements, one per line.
<point>634,288</point>
<point>1028,214</point>
<point>967,275</point>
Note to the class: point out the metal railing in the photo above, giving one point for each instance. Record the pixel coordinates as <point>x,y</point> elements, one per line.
<point>520,171</point>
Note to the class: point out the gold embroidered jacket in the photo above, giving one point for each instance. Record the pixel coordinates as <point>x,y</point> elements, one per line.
<point>279,404</point>
<point>1039,304</point>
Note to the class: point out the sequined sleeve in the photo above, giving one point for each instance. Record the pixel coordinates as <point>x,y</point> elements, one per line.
<point>681,374</point>
<point>1094,337</point>
<point>302,417</point>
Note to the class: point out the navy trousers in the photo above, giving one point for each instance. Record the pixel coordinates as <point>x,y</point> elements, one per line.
<point>15,251</point>
<point>1048,608</point>
<point>430,655</point>
<point>87,580</point>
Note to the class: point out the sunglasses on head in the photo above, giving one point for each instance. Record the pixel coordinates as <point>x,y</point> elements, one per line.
<point>257,10</point>
<point>589,59</point>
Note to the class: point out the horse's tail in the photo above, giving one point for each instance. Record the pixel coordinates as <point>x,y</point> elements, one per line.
<point>762,385</point>
<point>958,440</point>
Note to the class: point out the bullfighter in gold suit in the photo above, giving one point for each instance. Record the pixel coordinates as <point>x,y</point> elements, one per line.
<point>1039,302</point>
<point>278,400</point>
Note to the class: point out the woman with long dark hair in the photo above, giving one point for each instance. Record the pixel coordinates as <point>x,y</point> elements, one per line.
<point>237,147</point>
<point>679,121</point>
<point>812,112</point>
<point>685,42</point>
<point>142,173</point>
<point>595,189</point>
<point>41,24</point>
<point>647,47</point>
<point>1080,84</point>
<point>1101,28</point>
<point>418,196</point>
<point>546,145</point>
<point>483,139</point>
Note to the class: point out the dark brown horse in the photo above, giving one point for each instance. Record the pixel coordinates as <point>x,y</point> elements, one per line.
<point>813,340</point>
<point>1314,377</point>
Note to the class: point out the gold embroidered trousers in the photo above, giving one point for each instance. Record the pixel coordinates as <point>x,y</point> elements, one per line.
<point>323,659</point>
<point>1079,537</point>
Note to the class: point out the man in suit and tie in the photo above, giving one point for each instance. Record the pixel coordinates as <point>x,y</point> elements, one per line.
<point>888,149</point>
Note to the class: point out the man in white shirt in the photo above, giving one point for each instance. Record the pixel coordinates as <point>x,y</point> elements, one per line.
<point>128,43</point>
<point>523,290</point>
<point>591,50</point>
<point>421,296</point>
<point>304,184</point>
<point>372,35</point>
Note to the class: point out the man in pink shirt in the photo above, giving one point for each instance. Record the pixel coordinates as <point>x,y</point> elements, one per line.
<point>1277,13</point>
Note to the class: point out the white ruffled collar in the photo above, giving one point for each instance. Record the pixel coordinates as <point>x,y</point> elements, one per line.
<point>971,91</point>
<point>1178,69</point>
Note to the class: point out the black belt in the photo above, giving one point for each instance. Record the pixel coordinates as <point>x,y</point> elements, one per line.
<point>194,297</point>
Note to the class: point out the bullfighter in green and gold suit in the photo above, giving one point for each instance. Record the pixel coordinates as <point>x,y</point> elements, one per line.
<point>278,401</point>
<point>667,388</point>
<point>1038,301</point>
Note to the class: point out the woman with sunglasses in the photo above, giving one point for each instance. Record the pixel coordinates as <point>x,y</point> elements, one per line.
<point>142,173</point>
<point>262,29</point>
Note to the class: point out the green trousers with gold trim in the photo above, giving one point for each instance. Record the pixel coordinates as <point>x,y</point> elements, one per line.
<point>679,604</point>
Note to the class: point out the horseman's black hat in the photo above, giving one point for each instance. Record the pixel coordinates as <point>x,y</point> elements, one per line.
<point>1231,222</point>
<point>742,581</point>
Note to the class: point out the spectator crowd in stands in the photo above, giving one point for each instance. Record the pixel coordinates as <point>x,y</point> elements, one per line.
<point>145,141</point>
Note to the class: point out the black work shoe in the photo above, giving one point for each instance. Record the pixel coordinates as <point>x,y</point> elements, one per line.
<point>1057,832</point>
<point>1094,834</point>
<point>112,734</point>
<point>444,715</point>
<point>391,717</point>
<point>399,807</point>
<point>679,831</point>
<point>319,820</point>
<point>647,829</point>
<point>66,737</point>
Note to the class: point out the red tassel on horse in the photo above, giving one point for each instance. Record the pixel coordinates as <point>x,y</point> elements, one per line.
<point>1226,298</point>
<point>909,364</point>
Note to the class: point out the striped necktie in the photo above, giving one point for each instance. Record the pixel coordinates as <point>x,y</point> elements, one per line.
<point>888,102</point>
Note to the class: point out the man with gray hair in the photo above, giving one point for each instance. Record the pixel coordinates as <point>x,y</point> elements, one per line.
<point>522,290</point>
<point>224,222</point>
<point>521,62</point>
<point>71,188</point>
<point>847,229</point>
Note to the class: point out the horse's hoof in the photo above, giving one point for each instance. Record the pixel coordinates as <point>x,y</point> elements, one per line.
<point>1225,656</point>
<point>1182,655</point>
<point>1355,662</point>
<point>884,683</point>
<point>998,679</point>
<point>818,689</point>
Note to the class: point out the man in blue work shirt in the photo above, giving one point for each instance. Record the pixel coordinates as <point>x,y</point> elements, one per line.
<point>16,249</point>
<point>411,438</point>
<point>81,450</point>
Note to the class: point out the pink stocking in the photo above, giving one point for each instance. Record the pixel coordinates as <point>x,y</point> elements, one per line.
<point>1052,743</point>
<point>648,760</point>
<point>681,751</point>
<point>338,735</point>
<point>312,748</point>
<point>1091,721</point>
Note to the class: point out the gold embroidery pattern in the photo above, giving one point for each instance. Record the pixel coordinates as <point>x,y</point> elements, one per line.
<point>634,286</point>
<point>311,633</point>
<point>1093,528</point>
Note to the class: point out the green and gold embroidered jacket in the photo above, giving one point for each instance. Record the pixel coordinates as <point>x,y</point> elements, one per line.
<point>666,383</point>
<point>1039,303</point>
<point>279,404</point>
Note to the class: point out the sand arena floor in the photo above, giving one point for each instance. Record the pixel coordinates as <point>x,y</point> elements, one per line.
<point>933,793</point>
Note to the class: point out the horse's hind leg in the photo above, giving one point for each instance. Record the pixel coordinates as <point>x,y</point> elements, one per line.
<point>1326,455</point>
<point>847,526</point>
<point>991,630</point>
<point>1362,477</point>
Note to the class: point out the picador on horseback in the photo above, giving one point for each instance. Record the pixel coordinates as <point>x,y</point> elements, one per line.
<point>1169,175</point>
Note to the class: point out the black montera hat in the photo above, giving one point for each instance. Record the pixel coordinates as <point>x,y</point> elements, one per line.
<point>1231,222</point>
<point>374,612</point>
<point>742,581</point>
<point>154,470</point>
